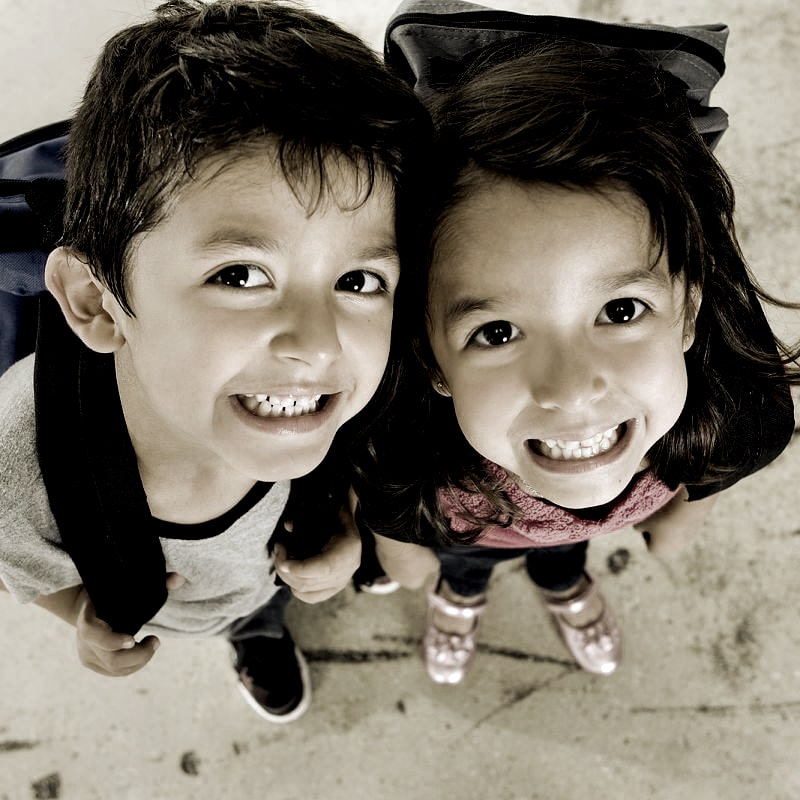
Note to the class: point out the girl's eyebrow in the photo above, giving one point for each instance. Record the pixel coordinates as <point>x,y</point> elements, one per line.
<point>462,307</point>
<point>652,276</point>
<point>456,310</point>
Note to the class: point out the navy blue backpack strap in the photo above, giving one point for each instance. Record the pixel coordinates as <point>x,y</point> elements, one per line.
<point>431,42</point>
<point>31,206</point>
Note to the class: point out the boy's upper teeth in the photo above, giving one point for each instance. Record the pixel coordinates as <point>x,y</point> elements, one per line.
<point>564,449</point>
<point>275,405</point>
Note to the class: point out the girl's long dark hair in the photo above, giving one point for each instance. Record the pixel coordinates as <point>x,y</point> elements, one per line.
<point>577,117</point>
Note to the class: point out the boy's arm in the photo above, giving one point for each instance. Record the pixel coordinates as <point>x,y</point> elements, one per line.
<point>409,564</point>
<point>99,648</point>
<point>671,528</point>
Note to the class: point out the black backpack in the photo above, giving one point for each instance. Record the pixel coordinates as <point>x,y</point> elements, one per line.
<point>430,42</point>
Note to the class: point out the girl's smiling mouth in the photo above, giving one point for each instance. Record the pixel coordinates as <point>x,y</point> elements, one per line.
<point>576,450</point>
<point>265,405</point>
<point>598,450</point>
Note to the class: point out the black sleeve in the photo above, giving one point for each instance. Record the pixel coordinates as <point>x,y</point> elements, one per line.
<point>756,434</point>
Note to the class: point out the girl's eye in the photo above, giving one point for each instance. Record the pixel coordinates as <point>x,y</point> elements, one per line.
<point>361,282</point>
<point>494,334</point>
<point>618,312</point>
<point>240,276</point>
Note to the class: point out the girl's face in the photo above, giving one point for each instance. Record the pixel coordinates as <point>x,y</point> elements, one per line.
<point>559,336</point>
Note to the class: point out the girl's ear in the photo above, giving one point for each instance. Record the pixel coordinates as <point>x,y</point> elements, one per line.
<point>440,387</point>
<point>80,296</point>
<point>690,316</point>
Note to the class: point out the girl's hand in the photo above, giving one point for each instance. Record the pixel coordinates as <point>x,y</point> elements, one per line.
<point>315,579</point>
<point>670,529</point>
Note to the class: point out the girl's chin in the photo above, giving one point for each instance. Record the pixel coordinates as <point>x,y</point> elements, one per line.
<point>575,496</point>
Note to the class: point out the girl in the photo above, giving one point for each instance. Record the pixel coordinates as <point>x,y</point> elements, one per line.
<point>595,352</point>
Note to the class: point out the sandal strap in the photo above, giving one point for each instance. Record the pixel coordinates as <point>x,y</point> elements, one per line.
<point>455,610</point>
<point>576,604</point>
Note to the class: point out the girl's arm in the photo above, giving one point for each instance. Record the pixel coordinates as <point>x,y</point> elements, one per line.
<point>410,565</point>
<point>672,528</point>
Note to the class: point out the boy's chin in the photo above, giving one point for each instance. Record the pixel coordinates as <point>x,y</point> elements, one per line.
<point>287,470</point>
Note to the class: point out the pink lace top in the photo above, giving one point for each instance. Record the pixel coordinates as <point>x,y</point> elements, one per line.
<point>542,524</point>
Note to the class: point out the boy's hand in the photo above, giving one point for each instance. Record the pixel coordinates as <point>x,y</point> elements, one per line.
<point>671,529</point>
<point>315,579</point>
<point>107,652</point>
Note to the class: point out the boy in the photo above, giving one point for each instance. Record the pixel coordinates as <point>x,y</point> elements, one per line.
<point>228,265</point>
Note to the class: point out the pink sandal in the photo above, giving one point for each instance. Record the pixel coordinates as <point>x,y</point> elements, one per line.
<point>596,647</point>
<point>448,655</point>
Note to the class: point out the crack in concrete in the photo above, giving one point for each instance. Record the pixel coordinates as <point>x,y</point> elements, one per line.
<point>719,710</point>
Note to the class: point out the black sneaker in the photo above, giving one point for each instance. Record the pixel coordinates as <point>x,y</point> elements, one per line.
<point>273,676</point>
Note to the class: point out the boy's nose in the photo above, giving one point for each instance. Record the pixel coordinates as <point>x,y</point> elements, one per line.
<point>567,377</point>
<point>309,334</point>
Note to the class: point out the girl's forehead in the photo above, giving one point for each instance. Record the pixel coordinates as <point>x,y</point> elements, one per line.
<point>502,219</point>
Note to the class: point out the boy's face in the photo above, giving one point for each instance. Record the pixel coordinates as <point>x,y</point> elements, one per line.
<point>560,340</point>
<point>259,330</point>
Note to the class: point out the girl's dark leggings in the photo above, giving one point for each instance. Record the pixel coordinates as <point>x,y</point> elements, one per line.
<point>468,569</point>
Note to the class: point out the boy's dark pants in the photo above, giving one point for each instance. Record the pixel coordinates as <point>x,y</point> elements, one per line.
<point>264,621</point>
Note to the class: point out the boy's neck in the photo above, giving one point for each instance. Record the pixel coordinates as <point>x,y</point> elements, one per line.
<point>183,484</point>
<point>189,495</point>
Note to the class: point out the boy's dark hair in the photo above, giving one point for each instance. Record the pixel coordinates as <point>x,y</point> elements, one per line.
<point>570,115</point>
<point>207,79</point>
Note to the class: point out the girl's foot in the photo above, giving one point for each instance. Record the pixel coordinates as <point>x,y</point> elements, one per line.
<point>449,642</point>
<point>587,625</point>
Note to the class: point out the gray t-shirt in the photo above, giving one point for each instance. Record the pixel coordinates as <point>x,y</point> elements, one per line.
<point>228,576</point>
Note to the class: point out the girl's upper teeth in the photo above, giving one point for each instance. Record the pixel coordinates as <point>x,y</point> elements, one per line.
<point>266,405</point>
<point>564,450</point>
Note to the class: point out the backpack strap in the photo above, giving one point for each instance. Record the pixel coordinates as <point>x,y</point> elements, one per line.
<point>92,479</point>
<point>431,43</point>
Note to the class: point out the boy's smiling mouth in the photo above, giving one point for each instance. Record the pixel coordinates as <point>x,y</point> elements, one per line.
<point>265,405</point>
<point>578,450</point>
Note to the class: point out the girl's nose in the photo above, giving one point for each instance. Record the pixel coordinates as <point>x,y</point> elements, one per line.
<point>567,377</point>
<point>307,333</point>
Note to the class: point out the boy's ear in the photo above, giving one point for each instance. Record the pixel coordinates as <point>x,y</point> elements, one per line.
<point>690,316</point>
<point>80,296</point>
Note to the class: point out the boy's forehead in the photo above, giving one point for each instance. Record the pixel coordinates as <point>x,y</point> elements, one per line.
<point>345,180</point>
<point>246,200</point>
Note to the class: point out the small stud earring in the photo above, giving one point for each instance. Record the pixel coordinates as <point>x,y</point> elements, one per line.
<point>439,385</point>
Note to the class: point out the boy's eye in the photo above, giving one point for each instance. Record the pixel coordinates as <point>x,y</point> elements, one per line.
<point>361,282</point>
<point>618,312</point>
<point>496,333</point>
<point>240,276</point>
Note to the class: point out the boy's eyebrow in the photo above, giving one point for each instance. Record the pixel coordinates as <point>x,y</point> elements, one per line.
<point>241,238</point>
<point>385,252</point>
<point>246,238</point>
